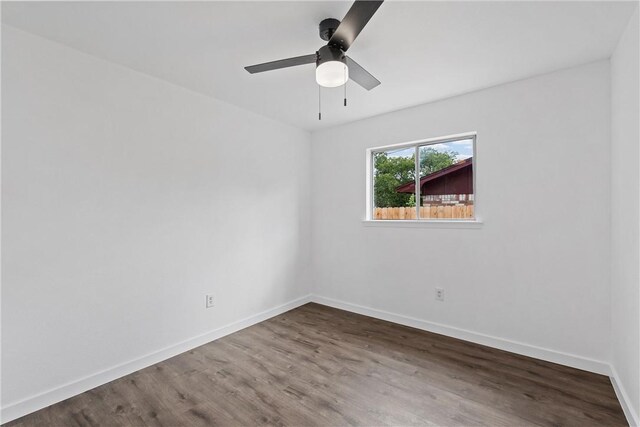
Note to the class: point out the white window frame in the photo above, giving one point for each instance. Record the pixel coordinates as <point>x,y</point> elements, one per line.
<point>422,222</point>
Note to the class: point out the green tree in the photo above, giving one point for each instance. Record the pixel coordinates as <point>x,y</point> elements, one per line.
<point>391,172</point>
<point>432,160</point>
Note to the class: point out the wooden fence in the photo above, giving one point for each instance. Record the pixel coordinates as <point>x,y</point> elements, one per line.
<point>426,212</point>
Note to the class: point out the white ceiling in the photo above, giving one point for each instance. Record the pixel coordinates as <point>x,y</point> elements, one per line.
<point>421,51</point>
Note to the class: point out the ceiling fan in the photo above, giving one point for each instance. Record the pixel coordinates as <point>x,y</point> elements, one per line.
<point>333,67</point>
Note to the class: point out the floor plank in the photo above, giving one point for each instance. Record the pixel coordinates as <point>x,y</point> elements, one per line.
<point>319,366</point>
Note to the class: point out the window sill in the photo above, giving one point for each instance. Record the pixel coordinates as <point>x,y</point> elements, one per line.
<point>415,223</point>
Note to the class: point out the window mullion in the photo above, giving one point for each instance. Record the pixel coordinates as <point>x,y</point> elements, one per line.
<point>417,181</point>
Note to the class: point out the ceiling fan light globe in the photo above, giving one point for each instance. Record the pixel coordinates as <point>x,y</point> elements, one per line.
<point>332,74</point>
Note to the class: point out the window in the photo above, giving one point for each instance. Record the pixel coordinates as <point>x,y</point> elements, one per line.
<point>426,180</point>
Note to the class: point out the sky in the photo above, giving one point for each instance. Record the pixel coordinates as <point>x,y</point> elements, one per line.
<point>464,148</point>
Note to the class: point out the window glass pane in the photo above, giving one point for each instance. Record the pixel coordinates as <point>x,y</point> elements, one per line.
<point>446,180</point>
<point>393,184</point>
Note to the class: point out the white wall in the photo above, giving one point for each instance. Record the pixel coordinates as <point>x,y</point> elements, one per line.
<point>537,272</point>
<point>125,200</point>
<point>625,209</point>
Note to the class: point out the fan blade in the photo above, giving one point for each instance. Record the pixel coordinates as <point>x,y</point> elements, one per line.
<point>353,22</point>
<point>283,63</point>
<point>360,75</point>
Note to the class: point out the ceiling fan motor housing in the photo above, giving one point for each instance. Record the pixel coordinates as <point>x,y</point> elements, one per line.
<point>327,27</point>
<point>330,53</point>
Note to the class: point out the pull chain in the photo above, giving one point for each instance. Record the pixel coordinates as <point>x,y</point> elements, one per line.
<point>345,86</point>
<point>319,103</point>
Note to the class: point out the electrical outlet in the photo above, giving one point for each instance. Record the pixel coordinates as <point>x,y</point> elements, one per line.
<point>209,301</point>
<point>440,294</point>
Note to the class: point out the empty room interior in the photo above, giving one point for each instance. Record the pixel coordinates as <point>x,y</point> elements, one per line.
<point>320,213</point>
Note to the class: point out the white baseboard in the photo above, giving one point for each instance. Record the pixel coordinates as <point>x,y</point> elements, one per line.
<point>554,356</point>
<point>42,400</point>
<point>625,401</point>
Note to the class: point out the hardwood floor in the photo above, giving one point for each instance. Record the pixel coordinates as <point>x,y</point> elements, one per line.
<point>316,365</point>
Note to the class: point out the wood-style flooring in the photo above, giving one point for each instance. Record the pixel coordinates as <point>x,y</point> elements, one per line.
<point>318,366</point>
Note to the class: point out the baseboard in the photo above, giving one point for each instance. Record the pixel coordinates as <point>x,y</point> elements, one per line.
<point>625,401</point>
<point>561,358</point>
<point>18,409</point>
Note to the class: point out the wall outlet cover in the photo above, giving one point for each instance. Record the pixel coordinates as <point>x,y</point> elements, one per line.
<point>210,301</point>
